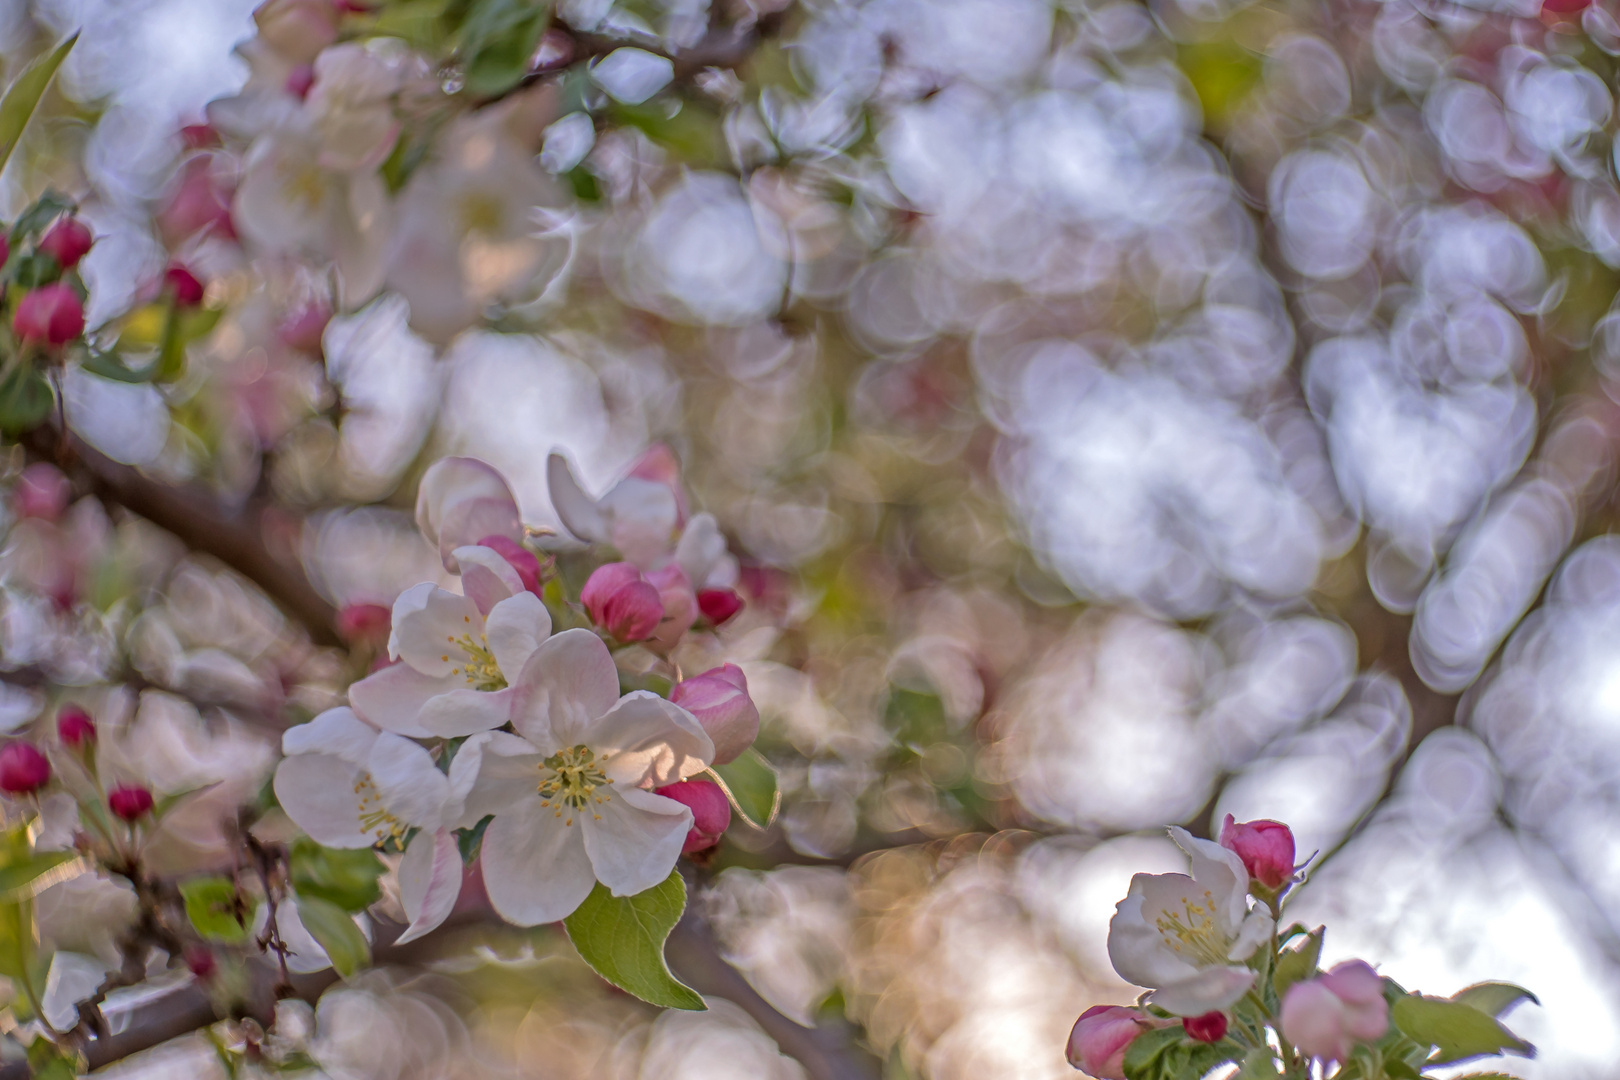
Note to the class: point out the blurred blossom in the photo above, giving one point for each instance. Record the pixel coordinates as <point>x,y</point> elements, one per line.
<point>720,1044</point>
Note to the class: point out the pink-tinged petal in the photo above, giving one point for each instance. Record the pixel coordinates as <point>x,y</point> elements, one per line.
<point>429,882</point>
<point>658,464</point>
<point>719,699</point>
<point>1211,988</point>
<point>679,605</point>
<point>568,682</point>
<point>1099,1039</point>
<point>493,772</point>
<point>700,549</point>
<point>711,812</point>
<point>620,603</point>
<point>317,792</point>
<point>412,601</point>
<point>410,784</point>
<point>524,563</point>
<point>634,838</point>
<point>516,627</point>
<point>393,697</point>
<point>427,636</point>
<point>1221,871</point>
<point>1265,847</point>
<point>486,577</point>
<point>646,741</point>
<point>1135,946</point>
<point>460,500</point>
<point>535,867</point>
<point>719,606</point>
<point>466,712</point>
<point>1313,1019</point>
<point>642,517</point>
<point>337,732</point>
<point>578,511</point>
<point>1361,989</point>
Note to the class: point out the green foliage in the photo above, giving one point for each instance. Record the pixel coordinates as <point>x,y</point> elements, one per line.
<point>622,938</point>
<point>1493,998</point>
<point>25,400</point>
<point>750,783</point>
<point>692,133</point>
<point>497,39</point>
<point>47,1061</point>
<point>1456,1030</point>
<point>1258,1065</point>
<point>345,879</point>
<point>21,877</point>
<point>23,96</point>
<point>215,909</point>
<point>336,932</point>
<point>32,221</point>
<point>1298,963</point>
<point>1168,1054</point>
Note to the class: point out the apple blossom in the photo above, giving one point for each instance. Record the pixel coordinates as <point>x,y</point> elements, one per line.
<point>1266,848</point>
<point>711,812</point>
<point>463,501</point>
<point>130,801</point>
<point>592,816</point>
<point>1099,1039</point>
<point>1210,1027</point>
<point>1186,937</point>
<point>719,699</point>
<point>74,727</point>
<point>23,769</point>
<point>621,602</point>
<point>51,313</point>
<point>199,200</point>
<point>638,515</point>
<point>459,653</point>
<point>1326,1016</point>
<point>67,241</point>
<point>364,624</point>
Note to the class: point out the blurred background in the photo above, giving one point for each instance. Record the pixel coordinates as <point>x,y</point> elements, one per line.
<point>1127,414</point>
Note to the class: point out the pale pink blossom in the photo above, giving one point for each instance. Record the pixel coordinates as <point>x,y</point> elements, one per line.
<point>719,699</point>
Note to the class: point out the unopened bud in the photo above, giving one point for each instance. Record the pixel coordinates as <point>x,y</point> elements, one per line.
<point>300,79</point>
<point>1266,848</point>
<point>51,313</point>
<point>364,624</point>
<point>1210,1027</point>
<point>67,241</point>
<point>23,769</point>
<point>719,699</point>
<point>619,601</point>
<point>1098,1042</point>
<point>188,291</point>
<point>521,559</point>
<point>42,491</point>
<point>201,962</point>
<point>129,802</point>
<point>1326,1016</point>
<point>711,812</point>
<point>719,605</point>
<point>74,727</point>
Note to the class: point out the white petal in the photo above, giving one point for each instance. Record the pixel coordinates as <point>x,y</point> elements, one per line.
<point>516,627</point>
<point>700,550</point>
<point>429,882</point>
<point>486,577</point>
<point>393,698</point>
<point>360,228</point>
<point>1256,929</point>
<point>568,682</point>
<point>411,786</point>
<point>578,511</point>
<point>535,867</point>
<point>1209,989</point>
<point>642,514</point>
<point>492,772</point>
<point>466,712</point>
<point>1221,871</point>
<point>427,637</point>
<point>634,838</point>
<point>73,977</point>
<point>458,499</point>
<point>645,740</point>
<point>317,792</point>
<point>412,600</point>
<point>336,731</point>
<point>1137,949</point>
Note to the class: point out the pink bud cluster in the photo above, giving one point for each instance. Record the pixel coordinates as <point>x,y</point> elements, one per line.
<point>1266,848</point>
<point>657,607</point>
<point>1326,1016</point>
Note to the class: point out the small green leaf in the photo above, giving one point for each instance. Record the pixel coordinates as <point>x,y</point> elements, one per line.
<point>347,879</point>
<point>20,877</point>
<point>107,365</point>
<point>16,939</point>
<point>1258,1065</point>
<point>46,1061</point>
<point>23,97</point>
<point>1457,1031</point>
<point>622,938</point>
<point>46,209</point>
<point>750,783</point>
<point>1493,998</point>
<point>34,269</point>
<point>497,39</point>
<point>334,929</point>
<point>1299,963</point>
<point>25,400</point>
<point>215,909</point>
<point>1145,1057</point>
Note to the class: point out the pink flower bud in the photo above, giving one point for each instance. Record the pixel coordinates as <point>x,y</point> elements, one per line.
<point>364,624</point>
<point>1326,1016</point>
<point>711,812</point>
<point>1210,1027</point>
<point>300,79</point>
<point>620,602</point>
<point>679,603</point>
<point>198,201</point>
<point>199,136</point>
<point>23,769</point>
<point>74,727</point>
<point>524,561</point>
<point>5,251</point>
<point>129,802</point>
<point>1266,848</point>
<point>188,291</point>
<point>719,605</point>
<point>303,329</point>
<point>52,313</point>
<point>1101,1036</point>
<point>67,241</point>
<point>719,699</point>
<point>200,961</point>
<point>42,491</point>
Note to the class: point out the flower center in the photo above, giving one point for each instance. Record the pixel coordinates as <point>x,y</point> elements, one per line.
<point>374,817</point>
<point>568,781</point>
<point>481,670</point>
<point>1192,931</point>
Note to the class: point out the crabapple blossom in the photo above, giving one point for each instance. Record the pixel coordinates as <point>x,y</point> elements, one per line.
<point>1186,937</point>
<point>463,501</point>
<point>618,600</point>
<point>67,241</point>
<point>1326,1016</point>
<point>638,515</point>
<point>719,699</point>
<point>23,769</point>
<point>199,200</point>
<point>593,816</point>
<point>1099,1039</point>
<point>51,313</point>
<point>130,801</point>
<point>459,653</point>
<point>711,812</point>
<point>1266,848</point>
<point>75,728</point>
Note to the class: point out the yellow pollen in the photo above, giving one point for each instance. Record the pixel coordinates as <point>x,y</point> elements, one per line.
<point>570,778</point>
<point>1193,930</point>
<point>373,816</point>
<point>481,670</point>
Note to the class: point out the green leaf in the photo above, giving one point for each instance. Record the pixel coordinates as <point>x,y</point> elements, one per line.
<point>16,939</point>
<point>21,99</point>
<point>20,877</point>
<point>35,269</point>
<point>25,400</point>
<point>1458,1031</point>
<point>750,783</point>
<point>46,1061</point>
<point>1493,998</point>
<point>215,909</point>
<point>1258,1065</point>
<point>622,938</point>
<point>1299,963</point>
<point>1144,1058</point>
<point>346,879</point>
<point>498,37</point>
<point>46,209</point>
<point>107,365</point>
<point>334,929</point>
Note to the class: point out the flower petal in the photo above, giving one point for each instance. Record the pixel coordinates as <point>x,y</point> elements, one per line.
<point>486,577</point>
<point>1205,991</point>
<point>337,732</point>
<point>393,697</point>
<point>516,627</point>
<point>466,712</point>
<point>426,637</point>
<point>535,867</point>
<point>568,682</point>
<point>634,839</point>
<point>460,501</point>
<point>492,772</point>
<point>429,882</point>
<point>578,511</point>
<point>1222,872</point>
<point>701,550</point>
<point>1137,949</point>
<point>641,516</point>
<point>644,740</point>
<point>317,791</point>
<point>412,600</point>
<point>412,787</point>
